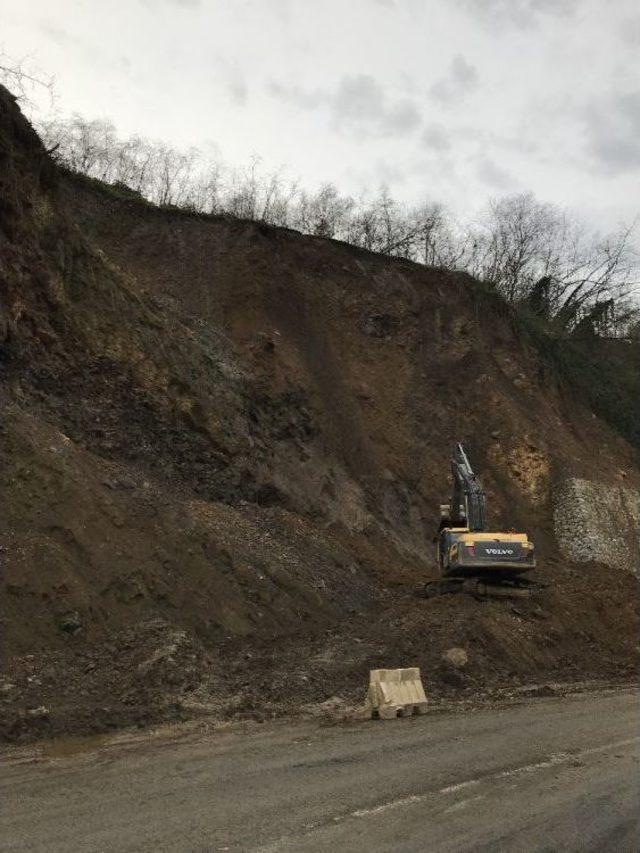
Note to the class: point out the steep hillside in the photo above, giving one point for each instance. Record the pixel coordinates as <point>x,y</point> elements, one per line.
<point>222,451</point>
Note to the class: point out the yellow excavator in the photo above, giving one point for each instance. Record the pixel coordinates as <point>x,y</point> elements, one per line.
<point>470,558</point>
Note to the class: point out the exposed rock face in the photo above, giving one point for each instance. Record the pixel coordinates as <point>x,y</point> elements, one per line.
<point>596,521</point>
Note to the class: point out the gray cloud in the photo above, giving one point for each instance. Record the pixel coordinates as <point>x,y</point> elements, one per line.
<point>494,175</point>
<point>521,13</point>
<point>80,46</point>
<point>237,88</point>
<point>57,34</point>
<point>630,32</point>
<point>183,4</point>
<point>358,105</point>
<point>613,131</point>
<point>306,99</point>
<point>436,138</point>
<point>461,79</point>
<point>234,80</point>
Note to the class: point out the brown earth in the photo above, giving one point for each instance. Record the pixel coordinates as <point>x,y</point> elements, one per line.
<point>222,450</point>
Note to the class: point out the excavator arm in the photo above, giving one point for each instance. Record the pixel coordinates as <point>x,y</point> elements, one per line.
<point>468,494</point>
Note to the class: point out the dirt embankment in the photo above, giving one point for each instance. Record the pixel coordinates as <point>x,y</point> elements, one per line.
<point>222,451</point>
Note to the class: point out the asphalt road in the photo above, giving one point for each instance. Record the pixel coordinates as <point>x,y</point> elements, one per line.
<point>550,775</point>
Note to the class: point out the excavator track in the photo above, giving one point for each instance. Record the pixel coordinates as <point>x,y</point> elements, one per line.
<point>481,589</point>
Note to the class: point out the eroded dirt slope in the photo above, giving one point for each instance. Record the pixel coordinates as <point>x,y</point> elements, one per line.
<point>222,451</point>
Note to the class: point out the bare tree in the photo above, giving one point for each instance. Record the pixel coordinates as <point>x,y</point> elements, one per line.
<point>22,79</point>
<point>208,188</point>
<point>173,175</point>
<point>363,226</point>
<point>88,147</point>
<point>536,255</point>
<point>325,213</point>
<point>160,173</point>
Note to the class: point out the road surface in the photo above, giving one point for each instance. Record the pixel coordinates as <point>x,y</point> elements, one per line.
<point>553,774</point>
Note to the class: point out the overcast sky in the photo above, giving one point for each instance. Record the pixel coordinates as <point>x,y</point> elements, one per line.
<point>450,100</point>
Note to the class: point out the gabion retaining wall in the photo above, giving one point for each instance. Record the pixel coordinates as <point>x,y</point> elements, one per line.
<point>594,521</point>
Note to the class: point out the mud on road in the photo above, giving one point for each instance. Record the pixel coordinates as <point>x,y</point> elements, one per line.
<point>157,672</point>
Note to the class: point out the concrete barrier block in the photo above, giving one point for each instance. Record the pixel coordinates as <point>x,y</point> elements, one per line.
<point>395,693</point>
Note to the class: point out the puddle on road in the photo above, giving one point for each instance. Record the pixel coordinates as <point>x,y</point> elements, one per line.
<point>67,745</point>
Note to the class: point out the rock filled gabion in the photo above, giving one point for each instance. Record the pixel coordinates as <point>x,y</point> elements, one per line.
<point>596,521</point>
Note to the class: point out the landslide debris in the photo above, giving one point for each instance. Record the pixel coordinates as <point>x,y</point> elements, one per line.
<point>222,450</point>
